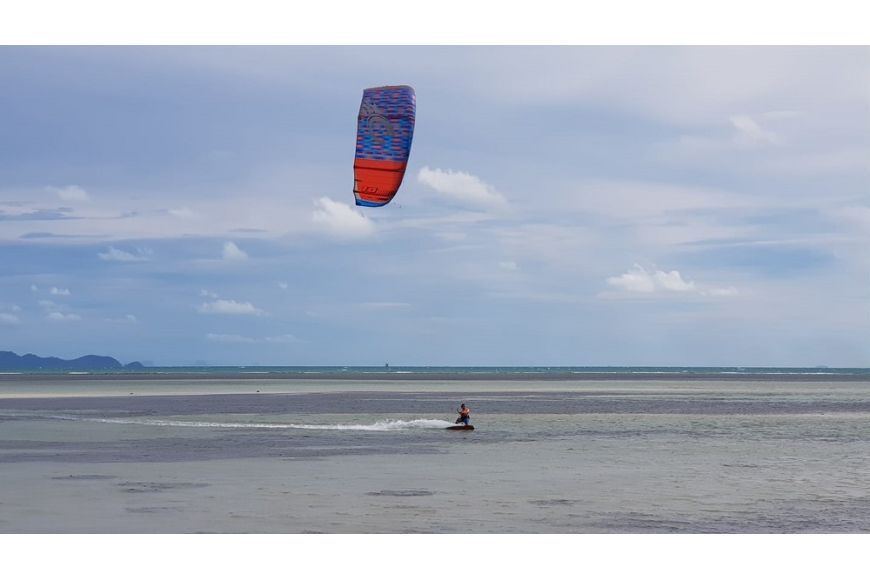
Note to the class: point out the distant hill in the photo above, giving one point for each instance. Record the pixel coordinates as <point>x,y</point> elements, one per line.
<point>9,361</point>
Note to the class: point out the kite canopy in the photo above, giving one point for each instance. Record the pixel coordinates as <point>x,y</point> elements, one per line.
<point>385,128</point>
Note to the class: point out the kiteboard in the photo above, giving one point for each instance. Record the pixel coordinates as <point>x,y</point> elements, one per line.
<point>460,428</point>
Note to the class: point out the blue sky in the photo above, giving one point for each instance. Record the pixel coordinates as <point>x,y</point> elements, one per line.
<point>562,206</point>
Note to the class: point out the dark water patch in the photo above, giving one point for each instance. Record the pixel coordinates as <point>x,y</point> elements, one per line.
<point>402,493</point>
<point>416,508</point>
<point>554,502</point>
<point>84,477</point>
<point>151,510</point>
<point>157,487</point>
<point>18,446</point>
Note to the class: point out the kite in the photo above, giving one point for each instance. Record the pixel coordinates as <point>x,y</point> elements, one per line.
<point>385,128</point>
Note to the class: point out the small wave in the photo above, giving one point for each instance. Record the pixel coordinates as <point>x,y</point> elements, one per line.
<point>385,425</point>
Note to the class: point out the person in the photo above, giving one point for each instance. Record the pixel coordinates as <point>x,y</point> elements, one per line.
<point>464,414</point>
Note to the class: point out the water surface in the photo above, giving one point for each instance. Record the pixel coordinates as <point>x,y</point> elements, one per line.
<point>616,455</point>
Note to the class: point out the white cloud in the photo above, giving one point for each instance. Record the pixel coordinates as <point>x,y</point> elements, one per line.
<point>233,253</point>
<point>639,280</point>
<point>183,213</point>
<point>748,133</point>
<point>34,288</point>
<point>70,193</point>
<point>672,281</point>
<point>47,304</point>
<point>115,255</point>
<point>59,291</point>
<point>208,294</point>
<point>462,186</point>
<point>508,265</point>
<point>61,317</point>
<point>230,307</point>
<point>341,220</point>
<point>635,280</point>
<point>283,285</point>
<point>6,318</point>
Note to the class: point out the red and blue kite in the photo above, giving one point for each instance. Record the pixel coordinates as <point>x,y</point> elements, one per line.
<point>385,128</point>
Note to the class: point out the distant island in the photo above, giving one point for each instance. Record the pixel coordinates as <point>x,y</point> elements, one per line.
<point>9,361</point>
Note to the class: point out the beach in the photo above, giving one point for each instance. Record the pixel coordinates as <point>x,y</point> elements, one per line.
<point>361,453</point>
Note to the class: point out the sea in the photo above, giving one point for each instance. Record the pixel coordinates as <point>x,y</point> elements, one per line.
<point>365,450</point>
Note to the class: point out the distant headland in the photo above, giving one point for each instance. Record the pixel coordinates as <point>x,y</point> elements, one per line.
<point>9,361</point>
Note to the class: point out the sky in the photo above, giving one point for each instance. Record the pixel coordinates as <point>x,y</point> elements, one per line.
<point>698,206</point>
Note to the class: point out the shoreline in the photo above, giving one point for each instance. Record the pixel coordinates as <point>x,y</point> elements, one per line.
<point>129,386</point>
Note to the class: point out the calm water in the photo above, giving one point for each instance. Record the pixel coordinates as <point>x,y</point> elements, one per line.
<point>209,453</point>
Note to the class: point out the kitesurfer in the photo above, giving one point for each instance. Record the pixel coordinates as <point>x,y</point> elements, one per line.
<point>464,414</point>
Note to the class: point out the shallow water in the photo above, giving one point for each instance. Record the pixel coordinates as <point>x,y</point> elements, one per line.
<point>348,456</point>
